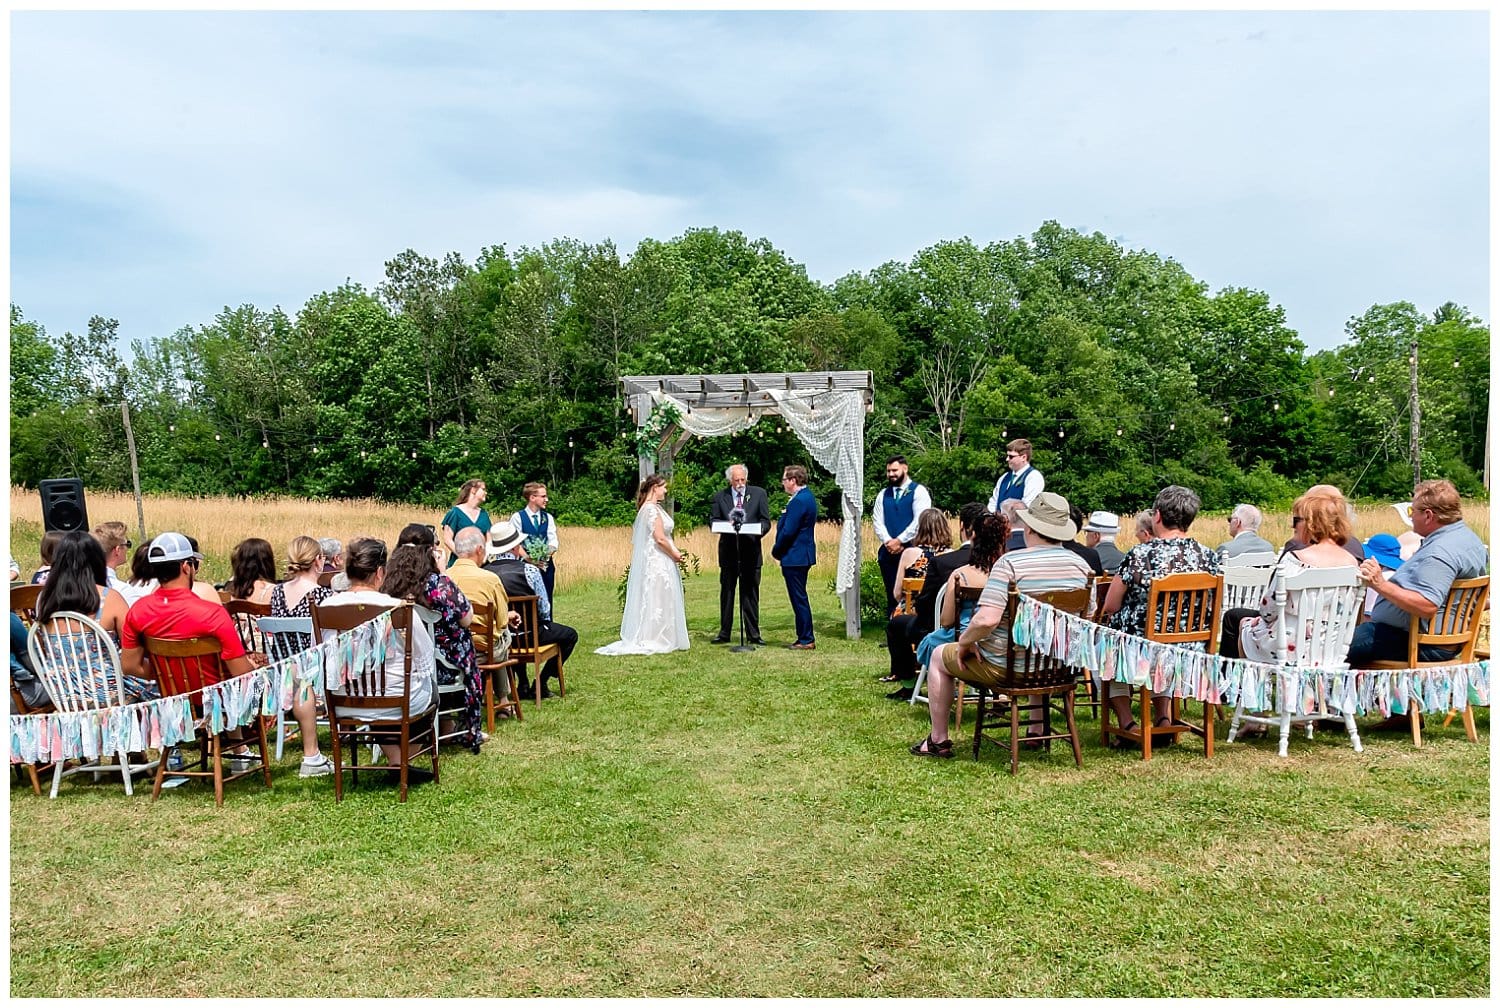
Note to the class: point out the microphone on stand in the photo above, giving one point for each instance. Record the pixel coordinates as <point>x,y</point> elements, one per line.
<point>737,517</point>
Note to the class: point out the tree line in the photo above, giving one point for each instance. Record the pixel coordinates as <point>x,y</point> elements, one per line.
<point>1124,371</point>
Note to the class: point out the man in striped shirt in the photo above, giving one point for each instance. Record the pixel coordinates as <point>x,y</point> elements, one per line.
<point>979,656</point>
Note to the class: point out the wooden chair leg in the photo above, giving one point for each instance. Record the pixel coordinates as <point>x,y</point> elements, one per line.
<point>1069,701</point>
<point>984,694</point>
<point>489,700</point>
<point>1416,725</point>
<point>1209,724</point>
<point>1469,729</point>
<point>1015,735</point>
<point>1147,722</point>
<point>216,753</point>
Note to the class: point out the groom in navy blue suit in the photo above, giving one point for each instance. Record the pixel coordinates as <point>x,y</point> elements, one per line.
<point>796,550</point>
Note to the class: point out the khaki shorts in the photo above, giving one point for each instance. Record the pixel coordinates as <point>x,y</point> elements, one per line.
<point>979,672</point>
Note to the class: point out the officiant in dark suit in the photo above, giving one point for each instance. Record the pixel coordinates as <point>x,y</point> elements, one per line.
<point>740,554</point>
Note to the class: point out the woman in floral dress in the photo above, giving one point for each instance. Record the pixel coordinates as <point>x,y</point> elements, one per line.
<point>412,573</point>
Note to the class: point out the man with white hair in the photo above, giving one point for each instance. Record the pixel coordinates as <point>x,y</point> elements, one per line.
<point>1244,527</point>
<point>740,556</point>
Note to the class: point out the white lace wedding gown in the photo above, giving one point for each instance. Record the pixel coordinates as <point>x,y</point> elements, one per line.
<point>655,621</point>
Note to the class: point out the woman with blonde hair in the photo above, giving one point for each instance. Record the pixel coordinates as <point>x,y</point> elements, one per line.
<point>295,597</point>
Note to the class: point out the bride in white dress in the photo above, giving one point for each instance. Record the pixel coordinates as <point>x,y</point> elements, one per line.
<point>655,621</point>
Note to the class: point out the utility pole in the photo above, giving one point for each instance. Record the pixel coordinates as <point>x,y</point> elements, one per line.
<point>1416,422</point>
<point>135,472</point>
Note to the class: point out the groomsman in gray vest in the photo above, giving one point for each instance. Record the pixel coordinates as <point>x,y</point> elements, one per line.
<point>740,553</point>
<point>897,507</point>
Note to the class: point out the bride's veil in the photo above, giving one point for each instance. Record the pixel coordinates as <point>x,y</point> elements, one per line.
<point>640,545</point>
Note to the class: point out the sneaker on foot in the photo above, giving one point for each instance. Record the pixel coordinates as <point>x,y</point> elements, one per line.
<point>316,766</point>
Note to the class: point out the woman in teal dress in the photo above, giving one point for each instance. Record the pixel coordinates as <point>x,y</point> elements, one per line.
<point>466,511</point>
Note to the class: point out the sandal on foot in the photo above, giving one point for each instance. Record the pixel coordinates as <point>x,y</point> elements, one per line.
<point>927,747</point>
<point>889,677</point>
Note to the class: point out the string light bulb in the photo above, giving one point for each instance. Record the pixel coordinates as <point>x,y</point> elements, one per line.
<point>171,426</point>
<point>512,449</point>
<point>1275,406</point>
<point>1060,434</point>
<point>1119,432</point>
<point>413,454</point>
<point>1226,417</point>
<point>466,453</point>
<point>570,444</point>
<point>1172,426</point>
<point>361,453</point>
<point>264,443</point>
<point>1004,432</point>
<point>315,449</point>
<point>218,438</point>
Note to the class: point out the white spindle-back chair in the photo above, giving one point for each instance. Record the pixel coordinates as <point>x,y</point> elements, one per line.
<point>284,637</point>
<point>1245,579</point>
<point>1327,601</point>
<point>77,661</point>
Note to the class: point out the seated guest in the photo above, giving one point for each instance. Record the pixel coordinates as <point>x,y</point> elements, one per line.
<point>364,562</point>
<point>295,597</point>
<point>115,538</point>
<point>1450,551</point>
<point>978,657</point>
<point>141,582</point>
<point>331,555</point>
<point>1009,509</point>
<point>903,633</point>
<point>1352,544</point>
<point>933,539</point>
<point>1384,549</point>
<point>1169,551</point>
<point>412,574</point>
<point>1089,554</point>
<point>1144,527</point>
<point>1251,633</point>
<point>49,543</point>
<point>481,587</point>
<point>1099,533</point>
<point>521,578</point>
<point>988,545</point>
<point>23,678</point>
<point>1244,531</point>
<point>175,612</point>
<point>77,584</point>
<point>252,567</point>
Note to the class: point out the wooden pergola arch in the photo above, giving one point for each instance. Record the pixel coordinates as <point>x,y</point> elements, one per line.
<point>752,393</point>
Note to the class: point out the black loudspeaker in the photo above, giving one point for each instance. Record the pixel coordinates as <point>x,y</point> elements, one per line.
<point>63,509</point>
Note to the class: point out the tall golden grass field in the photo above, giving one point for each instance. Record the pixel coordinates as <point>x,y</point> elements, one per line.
<point>585,554</point>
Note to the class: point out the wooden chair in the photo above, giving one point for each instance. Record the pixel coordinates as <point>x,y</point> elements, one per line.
<point>911,587</point>
<point>1456,625</point>
<point>526,648</point>
<point>369,689</point>
<point>325,578</point>
<point>1090,693</point>
<point>23,603</point>
<point>1328,602</point>
<point>1035,677</point>
<point>1181,609</point>
<point>246,616</point>
<point>79,665</point>
<point>19,705</point>
<point>484,620</point>
<point>181,666</point>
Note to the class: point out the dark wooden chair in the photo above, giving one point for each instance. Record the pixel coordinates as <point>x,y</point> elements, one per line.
<point>526,647</point>
<point>246,616</point>
<point>1180,609</point>
<point>181,667</point>
<point>1456,626</point>
<point>484,620</point>
<point>1033,681</point>
<point>326,578</point>
<point>368,689</point>
<point>911,587</point>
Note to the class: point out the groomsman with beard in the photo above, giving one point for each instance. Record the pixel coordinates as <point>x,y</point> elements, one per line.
<point>740,553</point>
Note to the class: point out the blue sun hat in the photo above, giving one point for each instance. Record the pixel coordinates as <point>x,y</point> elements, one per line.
<point>1384,548</point>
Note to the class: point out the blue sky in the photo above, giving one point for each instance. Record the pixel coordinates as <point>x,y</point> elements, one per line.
<point>164,165</point>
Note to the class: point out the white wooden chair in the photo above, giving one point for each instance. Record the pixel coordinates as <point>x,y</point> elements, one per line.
<point>1327,602</point>
<point>286,636</point>
<point>77,661</point>
<point>1245,579</point>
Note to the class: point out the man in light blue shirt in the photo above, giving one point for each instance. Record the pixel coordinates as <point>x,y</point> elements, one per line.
<point>1450,551</point>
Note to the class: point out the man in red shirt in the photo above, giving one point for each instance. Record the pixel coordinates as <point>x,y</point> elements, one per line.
<point>173,612</point>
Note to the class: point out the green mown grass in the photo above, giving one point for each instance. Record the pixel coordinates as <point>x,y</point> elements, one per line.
<point>718,824</point>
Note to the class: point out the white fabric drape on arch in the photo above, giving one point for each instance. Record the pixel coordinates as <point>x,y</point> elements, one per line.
<point>832,432</point>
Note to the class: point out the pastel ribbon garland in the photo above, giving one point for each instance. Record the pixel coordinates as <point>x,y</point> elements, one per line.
<point>153,724</point>
<point>1172,670</point>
